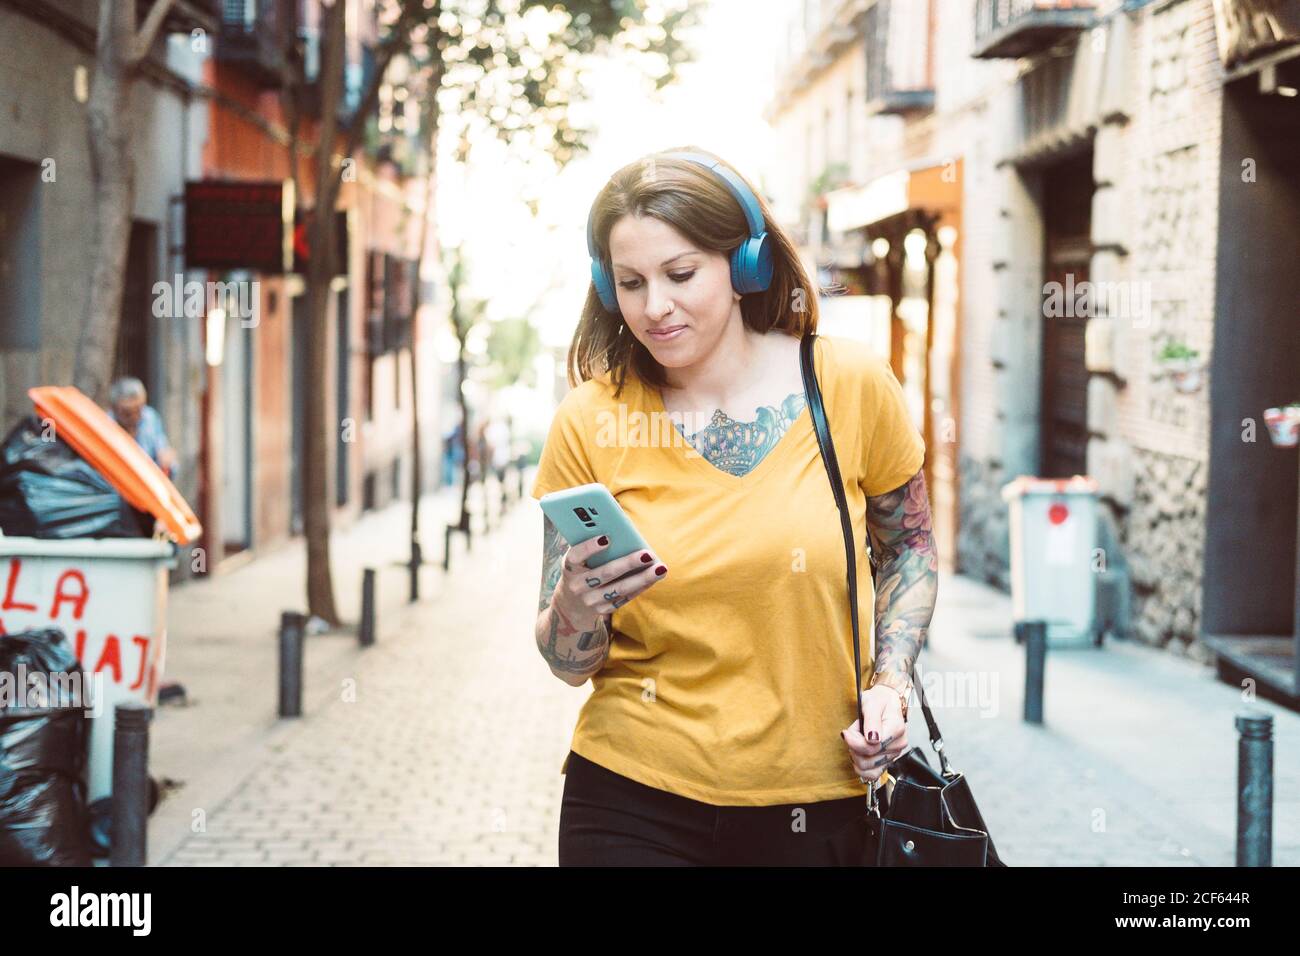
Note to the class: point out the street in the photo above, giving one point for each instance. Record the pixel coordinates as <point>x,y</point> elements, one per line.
<point>442,744</point>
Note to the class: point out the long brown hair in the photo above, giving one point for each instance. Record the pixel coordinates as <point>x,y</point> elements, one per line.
<point>695,202</point>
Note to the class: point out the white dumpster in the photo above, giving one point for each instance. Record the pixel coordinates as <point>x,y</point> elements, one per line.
<point>109,596</point>
<point>1055,561</point>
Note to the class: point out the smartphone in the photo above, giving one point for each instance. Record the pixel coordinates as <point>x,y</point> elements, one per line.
<point>590,510</point>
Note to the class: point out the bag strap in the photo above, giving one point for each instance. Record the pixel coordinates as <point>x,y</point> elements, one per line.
<point>813,394</point>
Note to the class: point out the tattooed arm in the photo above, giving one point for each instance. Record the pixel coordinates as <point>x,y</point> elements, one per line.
<point>907,574</point>
<point>573,649</point>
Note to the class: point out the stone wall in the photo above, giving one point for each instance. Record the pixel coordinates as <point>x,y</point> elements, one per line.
<point>1164,542</point>
<point>983,548</point>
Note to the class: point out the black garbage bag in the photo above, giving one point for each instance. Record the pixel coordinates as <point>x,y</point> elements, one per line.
<point>47,490</point>
<point>43,754</point>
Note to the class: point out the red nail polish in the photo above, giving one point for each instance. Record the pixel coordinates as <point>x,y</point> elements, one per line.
<point>661,570</point>
<point>873,736</point>
<point>646,559</point>
<point>603,540</point>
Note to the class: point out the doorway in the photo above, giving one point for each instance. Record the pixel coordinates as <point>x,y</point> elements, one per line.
<point>343,396</point>
<point>1251,613</point>
<point>133,353</point>
<point>20,255</point>
<point>1067,249</point>
<point>237,436</point>
<point>298,332</point>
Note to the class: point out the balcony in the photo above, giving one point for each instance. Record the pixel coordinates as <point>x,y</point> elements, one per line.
<point>824,32</point>
<point>899,57</point>
<point>254,36</point>
<point>1010,29</point>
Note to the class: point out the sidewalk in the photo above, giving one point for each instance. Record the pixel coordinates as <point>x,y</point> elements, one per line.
<point>1136,761</point>
<point>223,646</point>
<point>442,744</point>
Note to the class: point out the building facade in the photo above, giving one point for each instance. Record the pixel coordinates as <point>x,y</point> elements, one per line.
<point>47,197</point>
<point>1098,153</point>
<point>229,382</point>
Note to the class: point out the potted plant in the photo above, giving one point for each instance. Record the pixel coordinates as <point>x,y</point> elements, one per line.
<point>1284,424</point>
<point>1183,364</point>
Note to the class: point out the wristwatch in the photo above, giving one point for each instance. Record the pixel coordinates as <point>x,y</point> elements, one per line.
<point>899,682</point>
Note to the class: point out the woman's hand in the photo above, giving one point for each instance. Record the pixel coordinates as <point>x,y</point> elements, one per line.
<point>583,595</point>
<point>886,739</point>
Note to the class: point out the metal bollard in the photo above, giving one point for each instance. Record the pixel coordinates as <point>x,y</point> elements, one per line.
<point>417,559</point>
<point>130,814</point>
<point>1254,789</point>
<point>366,633</point>
<point>1034,636</point>
<point>292,627</point>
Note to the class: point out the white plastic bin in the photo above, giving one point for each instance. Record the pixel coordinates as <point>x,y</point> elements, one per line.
<point>109,596</point>
<point>1054,555</point>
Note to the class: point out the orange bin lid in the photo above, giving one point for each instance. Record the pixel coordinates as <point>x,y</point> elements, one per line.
<point>115,455</point>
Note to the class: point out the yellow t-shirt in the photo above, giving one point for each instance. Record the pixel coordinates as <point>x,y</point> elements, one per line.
<point>730,680</point>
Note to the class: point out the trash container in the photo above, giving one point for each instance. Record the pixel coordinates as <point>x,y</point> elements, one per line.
<point>1053,553</point>
<point>107,594</point>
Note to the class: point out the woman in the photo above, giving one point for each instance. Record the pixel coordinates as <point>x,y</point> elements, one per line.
<point>722,664</point>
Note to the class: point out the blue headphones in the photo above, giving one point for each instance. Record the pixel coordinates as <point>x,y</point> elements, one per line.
<point>751,261</point>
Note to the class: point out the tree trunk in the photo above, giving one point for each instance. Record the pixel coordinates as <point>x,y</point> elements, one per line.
<point>316,428</point>
<point>431,131</point>
<point>113,176</point>
<point>320,271</point>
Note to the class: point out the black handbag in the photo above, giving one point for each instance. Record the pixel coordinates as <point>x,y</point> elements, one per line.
<point>929,816</point>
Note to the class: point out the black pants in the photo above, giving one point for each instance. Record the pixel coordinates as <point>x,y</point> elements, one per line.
<point>607,819</point>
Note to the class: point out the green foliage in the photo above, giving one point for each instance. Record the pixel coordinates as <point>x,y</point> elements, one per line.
<point>1174,351</point>
<point>832,177</point>
<point>479,55</point>
<point>513,345</point>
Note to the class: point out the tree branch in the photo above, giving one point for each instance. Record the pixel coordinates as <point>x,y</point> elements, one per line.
<point>392,45</point>
<point>143,41</point>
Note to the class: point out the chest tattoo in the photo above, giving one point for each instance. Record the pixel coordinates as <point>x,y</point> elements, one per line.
<point>737,447</point>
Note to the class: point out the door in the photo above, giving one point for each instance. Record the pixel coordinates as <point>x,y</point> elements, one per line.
<point>236,444</point>
<point>298,399</point>
<point>1067,197</point>
<point>344,396</point>
<point>132,355</point>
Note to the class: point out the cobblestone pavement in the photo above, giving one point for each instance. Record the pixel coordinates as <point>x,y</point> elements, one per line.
<point>442,744</point>
<point>1134,765</point>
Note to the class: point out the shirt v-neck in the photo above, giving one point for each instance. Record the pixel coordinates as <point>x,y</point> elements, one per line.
<point>652,403</point>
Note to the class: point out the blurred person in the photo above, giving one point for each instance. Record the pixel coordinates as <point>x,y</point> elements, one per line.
<point>498,436</point>
<point>480,456</point>
<point>453,455</point>
<point>130,409</point>
<point>749,666</point>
